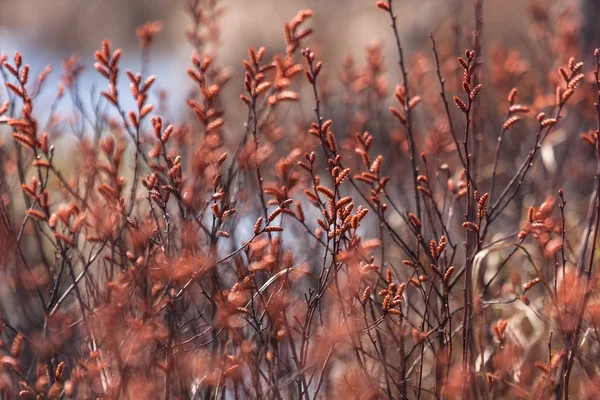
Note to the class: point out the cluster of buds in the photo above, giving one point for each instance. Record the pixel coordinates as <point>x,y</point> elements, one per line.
<point>468,67</point>
<point>25,129</point>
<point>459,189</point>
<point>206,111</point>
<point>406,104</point>
<point>107,65</point>
<point>392,296</point>
<point>292,34</point>
<point>542,227</point>
<point>139,91</point>
<point>572,77</point>
<point>437,249</point>
<point>499,330</point>
<point>514,110</point>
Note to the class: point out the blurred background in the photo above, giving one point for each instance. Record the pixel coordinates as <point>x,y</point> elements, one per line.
<point>46,32</point>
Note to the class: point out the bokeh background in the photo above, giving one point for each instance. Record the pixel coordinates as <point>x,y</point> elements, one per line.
<point>46,32</point>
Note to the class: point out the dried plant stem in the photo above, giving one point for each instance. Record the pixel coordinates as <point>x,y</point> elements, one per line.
<point>467,290</point>
<point>477,123</point>
<point>497,158</point>
<point>445,101</point>
<point>407,110</point>
<point>259,178</point>
<point>517,180</point>
<point>571,343</point>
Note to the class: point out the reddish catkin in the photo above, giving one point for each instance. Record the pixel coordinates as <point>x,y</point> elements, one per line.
<point>156,197</point>
<point>342,202</point>
<point>482,205</point>
<point>232,370</point>
<point>262,87</point>
<point>29,190</point>
<point>23,140</point>
<point>414,282</point>
<point>414,101</point>
<point>476,92</point>
<point>528,285</point>
<point>78,222</point>
<point>17,346</point>
<point>433,249</point>
<point>41,163</point>
<point>37,214</point>
<point>24,75</point>
<point>299,211</point>
<point>147,109</point>
<point>563,73</point>
<point>590,138</point>
<point>398,114</point>
<point>426,192</point>
<point>58,373</point>
<point>470,226</point>
<point>499,329</point>
<point>552,247</point>
<point>577,67</point>
<point>566,95</point>
<point>274,215</point>
<point>63,238</point>
<point>258,225</point>
<point>311,197</point>
<point>331,142</point>
<point>53,220</point>
<point>342,176</point>
<point>400,290</point>
<point>26,391</point>
<point>510,122</point>
<point>369,177</point>
<point>273,229</point>
<point>545,208</point>
<point>442,245</point>
<point>449,273</point>
<point>376,165</point>
<point>512,96</point>
<point>461,105</point>
<point>518,108</point>
<point>365,295</point>
<point>382,5</point>
<point>326,126</point>
<point>558,96</point>
<point>17,91</point>
<point>325,191</point>
<point>387,302</point>
<point>416,222</point>
<point>388,276</point>
<point>466,87</point>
